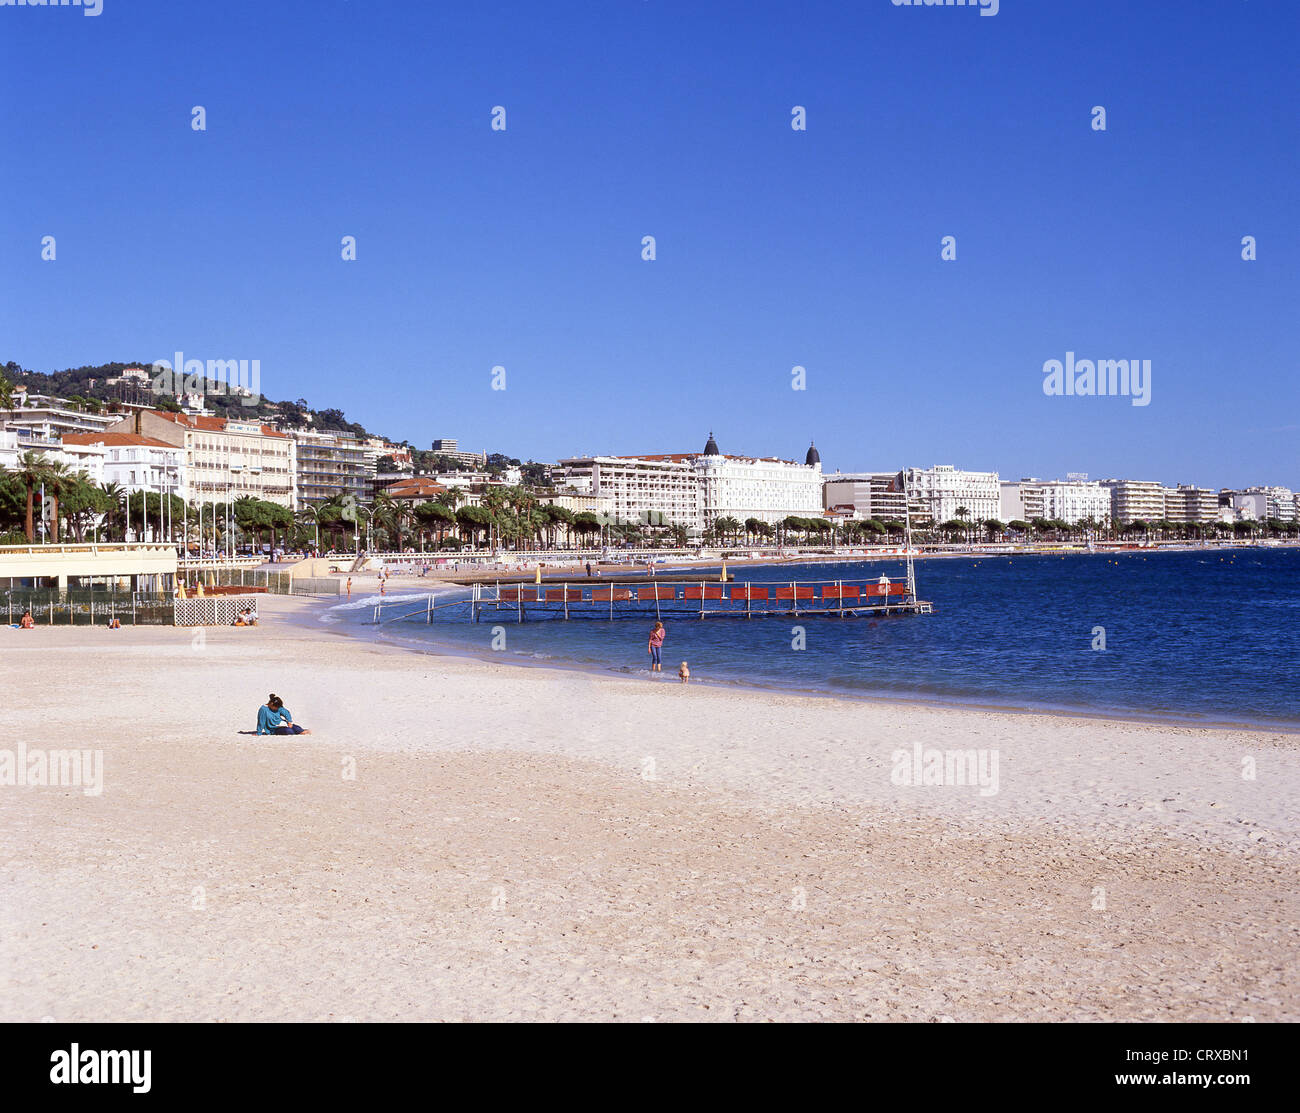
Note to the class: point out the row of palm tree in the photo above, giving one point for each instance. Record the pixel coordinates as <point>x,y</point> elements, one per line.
<point>35,474</point>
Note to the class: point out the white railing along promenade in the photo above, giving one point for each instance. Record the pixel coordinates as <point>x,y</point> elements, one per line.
<point>83,547</point>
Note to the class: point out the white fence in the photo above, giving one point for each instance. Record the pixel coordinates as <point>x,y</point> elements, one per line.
<point>213,610</point>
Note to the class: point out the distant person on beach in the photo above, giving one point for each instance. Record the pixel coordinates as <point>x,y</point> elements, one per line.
<point>349,587</point>
<point>26,622</point>
<point>685,673</point>
<point>588,569</point>
<point>115,623</point>
<point>657,636</point>
<point>274,718</point>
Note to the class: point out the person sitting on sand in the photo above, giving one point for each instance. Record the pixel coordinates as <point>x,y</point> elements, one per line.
<point>657,636</point>
<point>27,622</point>
<point>274,718</point>
<point>685,673</point>
<point>115,623</point>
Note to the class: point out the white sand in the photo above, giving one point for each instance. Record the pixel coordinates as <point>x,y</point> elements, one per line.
<point>502,854</point>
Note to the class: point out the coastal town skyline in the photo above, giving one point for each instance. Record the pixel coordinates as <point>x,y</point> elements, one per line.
<point>196,403</point>
<point>175,447</point>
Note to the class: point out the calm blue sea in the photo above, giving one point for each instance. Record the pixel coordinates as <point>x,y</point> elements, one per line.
<point>1189,636</point>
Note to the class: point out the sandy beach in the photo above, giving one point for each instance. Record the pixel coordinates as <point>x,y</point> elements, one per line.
<point>465,840</point>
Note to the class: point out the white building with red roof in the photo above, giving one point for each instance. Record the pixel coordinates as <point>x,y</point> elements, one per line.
<point>225,458</point>
<point>137,463</point>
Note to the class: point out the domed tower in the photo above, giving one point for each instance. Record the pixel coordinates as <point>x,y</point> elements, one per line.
<point>711,448</point>
<point>813,457</point>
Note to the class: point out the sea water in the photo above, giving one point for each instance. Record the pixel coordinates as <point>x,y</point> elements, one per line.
<point>1196,636</point>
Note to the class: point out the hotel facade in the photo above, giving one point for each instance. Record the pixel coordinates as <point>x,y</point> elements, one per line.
<point>938,493</point>
<point>697,489</point>
<point>225,459</point>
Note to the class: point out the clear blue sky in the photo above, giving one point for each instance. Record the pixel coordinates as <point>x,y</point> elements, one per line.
<point>628,118</point>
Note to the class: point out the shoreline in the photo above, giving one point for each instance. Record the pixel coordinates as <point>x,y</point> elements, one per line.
<point>460,840</point>
<point>635,570</point>
<point>436,648</point>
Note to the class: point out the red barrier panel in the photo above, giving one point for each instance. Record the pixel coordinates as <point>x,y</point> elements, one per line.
<point>844,591</point>
<point>794,592</point>
<point>659,591</point>
<point>513,594</point>
<point>560,594</point>
<point>610,594</point>
<point>875,590</point>
<point>703,591</point>
<point>748,591</point>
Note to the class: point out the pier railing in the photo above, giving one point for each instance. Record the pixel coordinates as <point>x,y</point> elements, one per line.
<point>678,599</point>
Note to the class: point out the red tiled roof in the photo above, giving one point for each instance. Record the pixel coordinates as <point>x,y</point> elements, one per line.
<point>209,424</point>
<point>415,487</point>
<point>115,439</point>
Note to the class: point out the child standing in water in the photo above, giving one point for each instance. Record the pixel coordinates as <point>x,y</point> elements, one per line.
<point>685,673</point>
<point>657,636</point>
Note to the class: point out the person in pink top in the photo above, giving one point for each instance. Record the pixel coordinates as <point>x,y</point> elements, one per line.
<point>657,636</point>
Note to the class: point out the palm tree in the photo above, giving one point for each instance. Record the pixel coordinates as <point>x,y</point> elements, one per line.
<point>392,516</point>
<point>32,471</point>
<point>557,516</point>
<point>112,493</point>
<point>962,515</point>
<point>59,480</point>
<point>726,527</point>
<point>83,505</point>
<point>451,498</point>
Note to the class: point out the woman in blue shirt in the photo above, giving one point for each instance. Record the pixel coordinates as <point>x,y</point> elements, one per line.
<point>274,718</point>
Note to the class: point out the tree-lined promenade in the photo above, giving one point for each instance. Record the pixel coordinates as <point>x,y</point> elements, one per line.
<point>43,500</point>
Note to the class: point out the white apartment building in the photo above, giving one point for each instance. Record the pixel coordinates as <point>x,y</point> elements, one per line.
<point>938,493</point>
<point>87,459</point>
<point>1279,502</point>
<point>461,478</point>
<point>1021,500</point>
<point>1075,500</point>
<point>225,459</point>
<point>376,447</point>
<point>1196,505</point>
<point>636,485</point>
<point>865,495</point>
<point>1250,505</point>
<point>1133,500</point>
<point>137,463</point>
<point>48,418</point>
<point>450,447</point>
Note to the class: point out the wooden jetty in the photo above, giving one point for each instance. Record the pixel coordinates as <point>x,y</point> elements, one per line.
<point>695,599</point>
